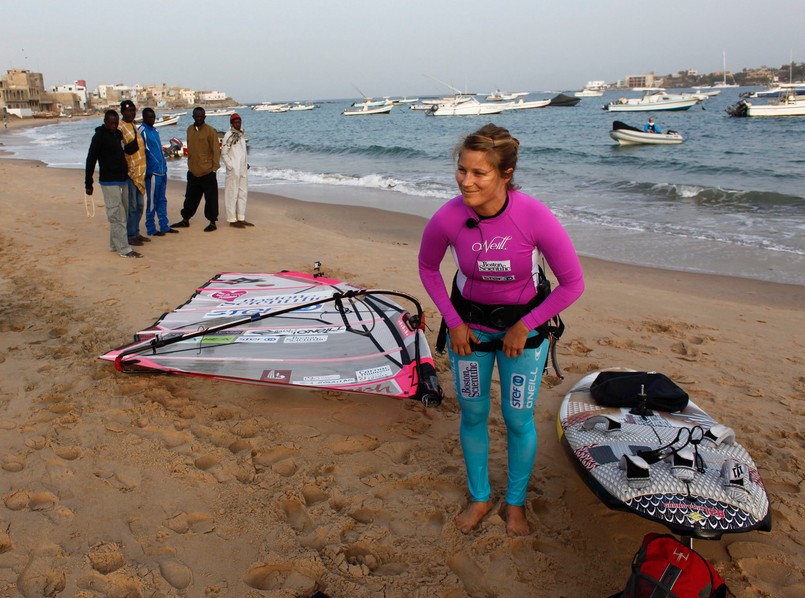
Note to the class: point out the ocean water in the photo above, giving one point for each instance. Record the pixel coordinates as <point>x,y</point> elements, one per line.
<point>729,200</point>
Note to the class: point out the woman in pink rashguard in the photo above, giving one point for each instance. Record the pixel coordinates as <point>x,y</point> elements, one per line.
<point>497,236</point>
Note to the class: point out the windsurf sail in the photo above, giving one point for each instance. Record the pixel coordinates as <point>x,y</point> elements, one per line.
<point>291,328</point>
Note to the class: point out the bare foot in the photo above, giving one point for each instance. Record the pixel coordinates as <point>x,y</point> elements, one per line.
<point>469,518</point>
<point>516,522</point>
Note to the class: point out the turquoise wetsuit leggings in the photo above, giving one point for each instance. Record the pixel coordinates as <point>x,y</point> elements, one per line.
<point>520,379</point>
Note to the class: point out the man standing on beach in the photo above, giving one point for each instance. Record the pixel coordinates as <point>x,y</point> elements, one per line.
<point>156,178</point>
<point>106,149</point>
<point>203,161</point>
<point>236,187</point>
<point>134,147</point>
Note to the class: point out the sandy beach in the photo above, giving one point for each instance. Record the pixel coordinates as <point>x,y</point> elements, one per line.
<point>123,486</point>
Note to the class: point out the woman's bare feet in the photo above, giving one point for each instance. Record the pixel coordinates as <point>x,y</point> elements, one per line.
<point>469,518</point>
<point>516,522</point>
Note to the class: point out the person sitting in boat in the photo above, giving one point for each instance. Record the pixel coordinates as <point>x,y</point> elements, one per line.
<point>651,126</point>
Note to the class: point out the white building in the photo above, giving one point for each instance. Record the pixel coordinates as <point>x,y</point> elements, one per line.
<point>211,96</point>
<point>79,90</point>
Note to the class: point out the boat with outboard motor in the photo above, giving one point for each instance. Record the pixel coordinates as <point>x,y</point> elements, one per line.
<point>469,107</point>
<point>628,135</point>
<point>367,110</point>
<point>653,100</point>
<point>789,104</point>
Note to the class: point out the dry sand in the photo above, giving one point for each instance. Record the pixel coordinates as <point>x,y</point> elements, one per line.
<point>118,485</point>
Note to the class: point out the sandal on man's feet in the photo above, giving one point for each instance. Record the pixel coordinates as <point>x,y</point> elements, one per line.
<point>181,224</point>
<point>131,254</point>
<point>210,227</point>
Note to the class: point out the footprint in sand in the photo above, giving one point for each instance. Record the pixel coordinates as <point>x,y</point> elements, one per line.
<point>685,351</point>
<point>297,516</point>
<point>575,347</point>
<point>265,457</point>
<point>176,573</point>
<point>314,495</point>
<point>280,576</point>
<point>124,479</point>
<point>206,462</point>
<point>41,575</point>
<point>622,343</point>
<point>106,557</point>
<point>352,444</point>
<point>398,452</point>
<point>470,574</point>
<point>99,585</point>
<point>13,463</point>
<point>196,522</point>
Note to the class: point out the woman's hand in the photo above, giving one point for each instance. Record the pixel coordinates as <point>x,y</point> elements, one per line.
<point>460,338</point>
<point>514,340</point>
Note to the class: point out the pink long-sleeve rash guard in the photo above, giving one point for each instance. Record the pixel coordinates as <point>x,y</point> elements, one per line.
<point>497,258</point>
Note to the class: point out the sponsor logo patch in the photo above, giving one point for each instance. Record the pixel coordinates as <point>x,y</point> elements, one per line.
<point>278,376</point>
<point>494,266</point>
<point>258,336</point>
<point>227,295</point>
<point>218,339</point>
<point>328,380</point>
<point>302,339</point>
<point>373,373</point>
<point>469,376</point>
<point>498,243</point>
<point>517,391</point>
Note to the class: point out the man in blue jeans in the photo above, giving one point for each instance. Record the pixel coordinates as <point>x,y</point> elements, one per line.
<point>156,178</point>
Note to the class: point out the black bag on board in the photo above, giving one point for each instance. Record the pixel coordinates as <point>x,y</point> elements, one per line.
<point>635,389</point>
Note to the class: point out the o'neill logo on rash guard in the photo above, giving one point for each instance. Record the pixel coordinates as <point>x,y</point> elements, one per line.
<point>498,242</point>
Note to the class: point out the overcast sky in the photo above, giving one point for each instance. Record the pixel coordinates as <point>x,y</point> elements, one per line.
<point>268,50</point>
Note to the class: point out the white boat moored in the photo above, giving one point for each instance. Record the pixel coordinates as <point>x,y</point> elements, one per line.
<point>366,110</point>
<point>651,101</point>
<point>790,104</point>
<point>469,107</point>
<point>523,105</point>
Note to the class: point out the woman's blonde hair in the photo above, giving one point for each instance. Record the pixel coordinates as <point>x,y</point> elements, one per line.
<point>498,145</point>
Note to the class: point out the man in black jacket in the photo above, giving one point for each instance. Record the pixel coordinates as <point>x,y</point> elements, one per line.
<point>106,148</point>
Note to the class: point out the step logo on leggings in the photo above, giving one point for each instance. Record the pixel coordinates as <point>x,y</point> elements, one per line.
<point>523,392</point>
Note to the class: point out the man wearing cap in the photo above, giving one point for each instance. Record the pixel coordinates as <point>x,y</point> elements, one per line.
<point>236,187</point>
<point>134,148</point>
<point>203,160</point>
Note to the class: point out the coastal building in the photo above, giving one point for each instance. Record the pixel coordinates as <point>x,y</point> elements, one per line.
<point>205,97</point>
<point>70,97</point>
<point>648,80</point>
<point>22,93</point>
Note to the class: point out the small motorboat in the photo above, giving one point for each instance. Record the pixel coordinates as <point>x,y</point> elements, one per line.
<point>523,105</point>
<point>627,135</point>
<point>366,110</point>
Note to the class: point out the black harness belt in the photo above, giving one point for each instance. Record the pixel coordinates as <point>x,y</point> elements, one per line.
<point>502,317</point>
